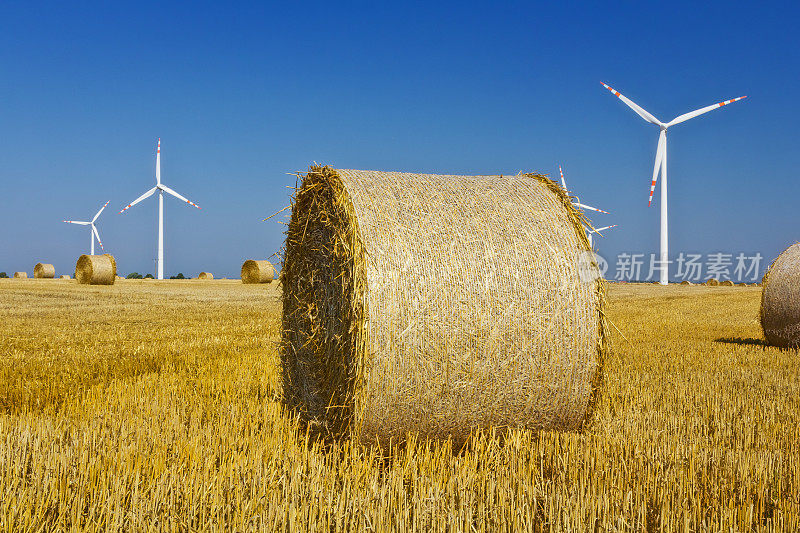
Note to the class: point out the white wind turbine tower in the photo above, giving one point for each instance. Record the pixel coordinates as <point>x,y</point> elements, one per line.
<point>161,188</point>
<point>93,233</point>
<point>661,164</point>
<point>577,203</point>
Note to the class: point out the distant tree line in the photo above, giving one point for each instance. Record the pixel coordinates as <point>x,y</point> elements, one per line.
<point>3,275</point>
<point>136,275</point>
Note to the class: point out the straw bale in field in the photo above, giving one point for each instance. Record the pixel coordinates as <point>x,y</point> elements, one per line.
<point>205,275</point>
<point>388,329</point>
<point>96,269</point>
<point>21,275</point>
<point>712,282</point>
<point>44,270</point>
<point>64,276</point>
<point>727,283</point>
<point>686,282</point>
<point>780,299</point>
<point>254,271</point>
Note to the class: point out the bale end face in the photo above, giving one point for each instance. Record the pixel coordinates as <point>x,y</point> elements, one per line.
<point>254,271</point>
<point>386,329</point>
<point>44,270</point>
<point>96,269</point>
<point>780,300</point>
<point>205,275</point>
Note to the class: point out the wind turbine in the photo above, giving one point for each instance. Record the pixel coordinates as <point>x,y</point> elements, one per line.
<point>161,188</point>
<point>661,164</point>
<point>93,233</point>
<point>577,203</point>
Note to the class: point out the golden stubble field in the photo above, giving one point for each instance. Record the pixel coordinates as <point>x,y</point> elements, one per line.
<point>156,406</point>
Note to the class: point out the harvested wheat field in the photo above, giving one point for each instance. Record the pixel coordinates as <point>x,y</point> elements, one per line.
<point>154,406</point>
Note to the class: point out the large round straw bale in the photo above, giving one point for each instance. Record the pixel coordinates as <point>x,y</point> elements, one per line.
<point>388,330</point>
<point>712,282</point>
<point>780,299</point>
<point>727,283</point>
<point>686,282</point>
<point>44,270</point>
<point>21,275</point>
<point>64,276</point>
<point>254,271</point>
<point>205,275</point>
<point>96,269</point>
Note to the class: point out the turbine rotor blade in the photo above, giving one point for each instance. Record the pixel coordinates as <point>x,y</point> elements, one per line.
<point>79,222</point>
<point>158,162</point>
<point>584,206</point>
<point>142,197</point>
<point>701,111</point>
<point>563,183</point>
<point>178,196</point>
<point>96,234</point>
<point>101,210</point>
<point>598,230</point>
<point>662,141</point>
<point>638,109</point>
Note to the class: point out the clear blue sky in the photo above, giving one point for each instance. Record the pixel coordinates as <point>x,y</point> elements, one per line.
<point>243,95</point>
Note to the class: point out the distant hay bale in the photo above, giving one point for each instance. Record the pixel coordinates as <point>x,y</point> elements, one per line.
<point>44,270</point>
<point>712,282</point>
<point>727,283</point>
<point>387,330</point>
<point>254,271</point>
<point>64,276</point>
<point>780,300</point>
<point>686,282</point>
<point>205,275</point>
<point>96,269</point>
<point>21,275</point>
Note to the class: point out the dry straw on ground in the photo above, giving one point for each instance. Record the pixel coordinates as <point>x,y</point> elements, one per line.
<point>780,299</point>
<point>254,271</point>
<point>205,275</point>
<point>438,305</point>
<point>96,269</point>
<point>44,270</point>
<point>21,275</point>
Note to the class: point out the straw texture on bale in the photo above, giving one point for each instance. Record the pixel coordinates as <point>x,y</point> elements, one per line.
<point>780,300</point>
<point>727,283</point>
<point>96,269</point>
<point>254,271</point>
<point>388,329</point>
<point>205,275</point>
<point>21,275</point>
<point>712,282</point>
<point>44,270</point>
